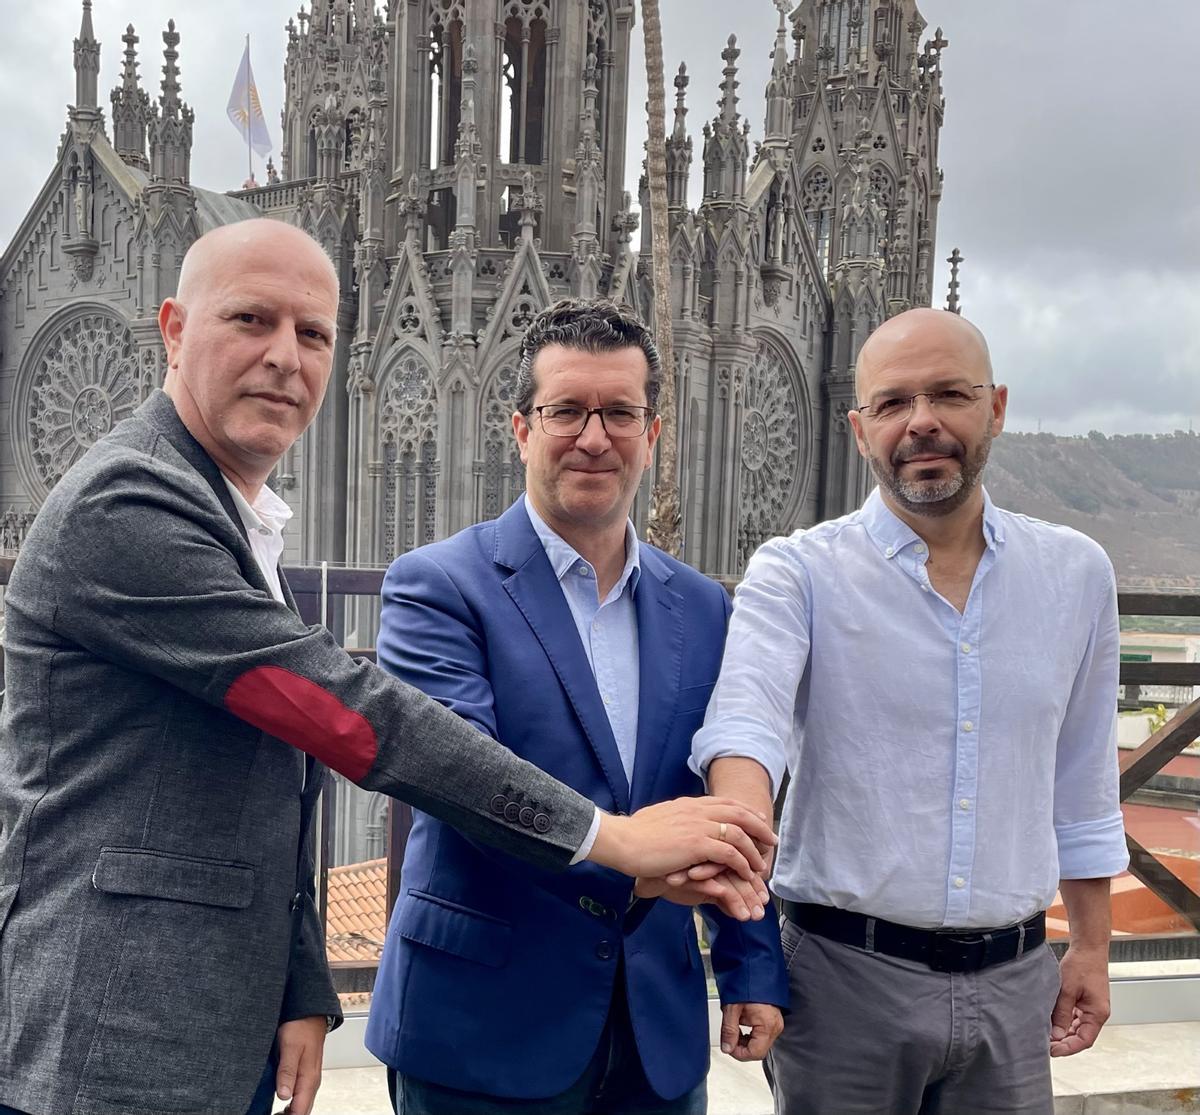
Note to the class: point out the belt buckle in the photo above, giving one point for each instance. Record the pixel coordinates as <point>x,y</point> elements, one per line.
<point>954,952</point>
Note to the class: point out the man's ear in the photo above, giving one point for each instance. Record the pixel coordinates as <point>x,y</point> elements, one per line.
<point>855,420</point>
<point>521,432</point>
<point>171,315</point>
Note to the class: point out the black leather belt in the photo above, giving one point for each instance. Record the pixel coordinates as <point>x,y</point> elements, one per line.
<point>944,950</point>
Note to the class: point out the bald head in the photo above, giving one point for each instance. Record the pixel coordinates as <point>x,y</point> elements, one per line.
<point>250,341</point>
<point>231,249</point>
<point>923,337</point>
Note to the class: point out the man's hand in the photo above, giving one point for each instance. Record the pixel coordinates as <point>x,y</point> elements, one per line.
<point>301,1050</point>
<point>1082,1006</point>
<point>733,895</point>
<point>673,835</point>
<point>765,1022</point>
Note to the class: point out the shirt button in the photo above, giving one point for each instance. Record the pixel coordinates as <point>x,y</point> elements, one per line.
<point>960,882</point>
<point>966,648</point>
<point>890,550</point>
<point>964,803</point>
<point>583,570</point>
<point>968,726</point>
<point>919,547</point>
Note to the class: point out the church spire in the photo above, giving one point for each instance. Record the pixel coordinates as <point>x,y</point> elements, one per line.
<point>779,86</point>
<point>171,122</point>
<point>87,63</point>
<point>725,143</point>
<point>130,109</point>
<point>679,146</point>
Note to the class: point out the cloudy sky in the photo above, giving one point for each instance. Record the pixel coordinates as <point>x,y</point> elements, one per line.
<point>1070,152</point>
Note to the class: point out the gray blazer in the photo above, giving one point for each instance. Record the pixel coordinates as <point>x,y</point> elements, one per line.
<point>156,900</point>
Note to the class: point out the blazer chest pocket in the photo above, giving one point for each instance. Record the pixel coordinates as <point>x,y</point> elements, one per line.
<point>441,924</point>
<point>147,873</point>
<point>693,698</point>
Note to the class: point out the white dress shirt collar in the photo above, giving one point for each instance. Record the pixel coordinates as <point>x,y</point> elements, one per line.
<point>892,535</point>
<point>264,520</point>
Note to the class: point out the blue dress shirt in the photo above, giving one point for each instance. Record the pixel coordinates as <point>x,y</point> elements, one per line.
<point>607,628</point>
<point>947,769</point>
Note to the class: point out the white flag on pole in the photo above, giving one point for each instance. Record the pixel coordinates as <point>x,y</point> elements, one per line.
<point>245,109</point>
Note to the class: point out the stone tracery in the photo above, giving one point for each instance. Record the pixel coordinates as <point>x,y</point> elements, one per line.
<point>76,386</point>
<point>774,439</point>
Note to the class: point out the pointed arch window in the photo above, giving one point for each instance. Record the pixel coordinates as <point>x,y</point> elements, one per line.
<point>524,74</point>
<point>444,88</point>
<point>503,473</point>
<point>817,202</point>
<point>408,433</point>
<point>352,145</point>
<point>311,168</point>
<point>599,35</point>
<point>833,28</point>
<point>887,35</point>
<point>883,188</point>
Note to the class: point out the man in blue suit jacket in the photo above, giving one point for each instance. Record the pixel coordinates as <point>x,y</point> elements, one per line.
<point>503,987</point>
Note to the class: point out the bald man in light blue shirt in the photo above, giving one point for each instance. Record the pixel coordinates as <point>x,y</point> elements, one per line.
<point>939,676</point>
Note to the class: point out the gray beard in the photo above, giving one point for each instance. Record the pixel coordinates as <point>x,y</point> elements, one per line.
<point>939,498</point>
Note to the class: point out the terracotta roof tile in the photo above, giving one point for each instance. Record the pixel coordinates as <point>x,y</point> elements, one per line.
<point>356,920</point>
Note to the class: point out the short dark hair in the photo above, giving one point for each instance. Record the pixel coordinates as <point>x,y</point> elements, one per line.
<point>595,325</point>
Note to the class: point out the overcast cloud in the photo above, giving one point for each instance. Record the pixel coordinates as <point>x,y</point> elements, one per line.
<point>1070,152</point>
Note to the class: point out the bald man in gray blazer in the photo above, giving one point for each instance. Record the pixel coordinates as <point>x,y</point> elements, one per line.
<point>166,722</point>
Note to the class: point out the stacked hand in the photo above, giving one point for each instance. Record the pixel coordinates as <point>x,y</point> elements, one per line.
<point>692,850</point>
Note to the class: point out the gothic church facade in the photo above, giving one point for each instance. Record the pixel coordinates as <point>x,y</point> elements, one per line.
<point>463,163</point>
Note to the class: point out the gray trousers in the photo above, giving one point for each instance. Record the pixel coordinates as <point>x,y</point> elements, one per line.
<point>870,1034</point>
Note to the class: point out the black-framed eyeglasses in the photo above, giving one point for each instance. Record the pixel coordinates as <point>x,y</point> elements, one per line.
<point>899,407</point>
<point>568,420</point>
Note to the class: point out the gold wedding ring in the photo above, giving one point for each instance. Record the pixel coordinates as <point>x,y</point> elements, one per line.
<point>722,831</point>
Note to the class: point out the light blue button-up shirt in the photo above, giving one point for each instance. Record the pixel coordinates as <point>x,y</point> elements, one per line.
<point>946,769</point>
<point>607,628</point>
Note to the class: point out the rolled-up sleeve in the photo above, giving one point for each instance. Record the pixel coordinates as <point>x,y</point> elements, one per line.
<point>1088,823</point>
<point>752,709</point>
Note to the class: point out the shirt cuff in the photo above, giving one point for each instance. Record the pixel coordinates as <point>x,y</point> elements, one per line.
<point>1092,849</point>
<point>585,849</point>
<point>708,747</point>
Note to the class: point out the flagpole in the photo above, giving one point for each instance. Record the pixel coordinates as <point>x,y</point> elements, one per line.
<point>249,121</point>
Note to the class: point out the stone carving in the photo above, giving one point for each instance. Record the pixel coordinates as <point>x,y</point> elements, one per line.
<point>154,370</point>
<point>773,425</point>
<point>526,11</point>
<point>14,525</point>
<point>77,385</point>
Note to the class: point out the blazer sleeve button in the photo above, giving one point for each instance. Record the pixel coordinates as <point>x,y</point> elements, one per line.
<point>541,823</point>
<point>526,816</point>
<point>498,803</point>
<point>511,811</point>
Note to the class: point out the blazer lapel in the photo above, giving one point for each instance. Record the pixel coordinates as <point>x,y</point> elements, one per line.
<point>535,590</point>
<point>660,655</point>
<point>160,411</point>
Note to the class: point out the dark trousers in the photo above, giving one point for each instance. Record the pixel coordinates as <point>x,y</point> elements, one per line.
<point>613,1083</point>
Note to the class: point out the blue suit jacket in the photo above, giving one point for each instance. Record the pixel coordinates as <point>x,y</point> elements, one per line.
<point>496,977</point>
